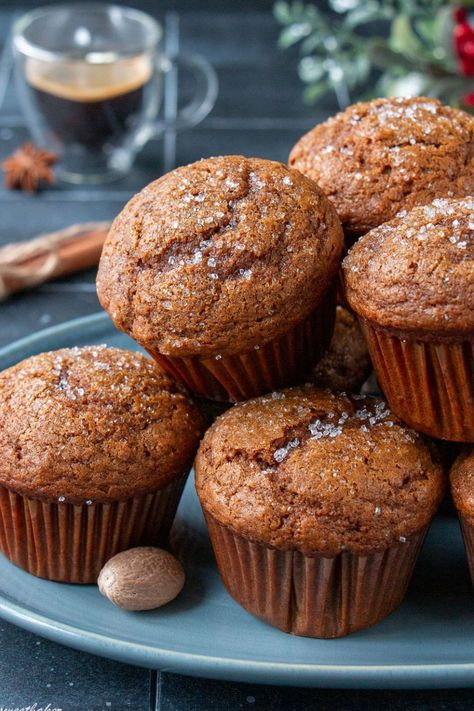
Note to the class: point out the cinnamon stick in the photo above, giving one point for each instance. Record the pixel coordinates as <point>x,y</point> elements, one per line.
<point>26,264</point>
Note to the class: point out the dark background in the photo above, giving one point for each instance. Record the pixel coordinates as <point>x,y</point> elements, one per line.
<point>259,111</point>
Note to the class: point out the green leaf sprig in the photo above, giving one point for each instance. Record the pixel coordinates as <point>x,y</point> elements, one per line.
<point>339,51</point>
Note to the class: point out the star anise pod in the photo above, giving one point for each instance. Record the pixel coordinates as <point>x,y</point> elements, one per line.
<point>28,167</point>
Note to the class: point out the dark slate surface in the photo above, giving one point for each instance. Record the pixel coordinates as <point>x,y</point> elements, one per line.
<point>180,694</point>
<point>36,670</point>
<point>259,112</point>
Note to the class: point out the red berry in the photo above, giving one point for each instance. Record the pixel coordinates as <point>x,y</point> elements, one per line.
<point>468,100</point>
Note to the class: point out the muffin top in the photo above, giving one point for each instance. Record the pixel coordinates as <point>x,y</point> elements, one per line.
<point>380,156</point>
<point>346,363</point>
<point>309,470</point>
<point>93,424</point>
<point>416,272</point>
<point>462,483</point>
<point>219,257</point>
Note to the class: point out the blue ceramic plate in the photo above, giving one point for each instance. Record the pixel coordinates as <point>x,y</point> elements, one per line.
<point>427,642</point>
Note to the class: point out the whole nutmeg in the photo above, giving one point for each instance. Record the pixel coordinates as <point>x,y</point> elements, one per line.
<point>141,578</point>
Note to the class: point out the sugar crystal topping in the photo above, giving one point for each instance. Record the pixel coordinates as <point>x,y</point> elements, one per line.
<point>221,207</point>
<point>204,240</point>
<point>421,265</point>
<point>391,111</point>
<point>444,220</point>
<point>452,220</point>
<point>283,452</point>
<point>398,126</point>
<point>100,411</point>
<point>332,425</point>
<point>116,370</point>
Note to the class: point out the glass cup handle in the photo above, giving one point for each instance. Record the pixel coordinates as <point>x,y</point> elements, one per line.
<point>204,96</point>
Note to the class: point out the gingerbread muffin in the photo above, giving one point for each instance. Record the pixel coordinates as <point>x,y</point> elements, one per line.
<point>95,447</point>
<point>317,505</point>
<point>462,490</point>
<point>346,364</point>
<point>411,282</point>
<point>224,271</point>
<point>381,156</point>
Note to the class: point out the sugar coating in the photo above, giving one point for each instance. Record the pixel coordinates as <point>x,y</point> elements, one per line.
<point>218,256</point>
<point>93,424</point>
<point>282,452</point>
<point>318,472</point>
<point>416,272</point>
<point>379,157</point>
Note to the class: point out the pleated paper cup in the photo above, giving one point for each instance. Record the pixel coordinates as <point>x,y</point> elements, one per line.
<point>313,596</point>
<point>71,542</point>
<point>283,362</point>
<point>428,383</point>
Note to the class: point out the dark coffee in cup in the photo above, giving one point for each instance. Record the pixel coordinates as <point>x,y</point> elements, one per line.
<point>90,105</point>
<point>90,78</point>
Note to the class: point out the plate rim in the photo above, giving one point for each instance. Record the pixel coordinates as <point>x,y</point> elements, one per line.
<point>280,673</point>
<point>389,676</point>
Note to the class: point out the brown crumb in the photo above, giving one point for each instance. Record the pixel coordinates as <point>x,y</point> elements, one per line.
<point>346,364</point>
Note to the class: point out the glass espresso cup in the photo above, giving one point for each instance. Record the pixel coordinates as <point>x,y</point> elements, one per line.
<point>90,80</point>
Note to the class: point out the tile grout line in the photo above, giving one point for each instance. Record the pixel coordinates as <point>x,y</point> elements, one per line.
<point>67,288</point>
<point>72,195</point>
<point>157,683</point>
<point>257,123</point>
<point>153,690</point>
<point>239,123</point>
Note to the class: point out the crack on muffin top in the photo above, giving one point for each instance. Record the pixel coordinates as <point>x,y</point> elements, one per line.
<point>379,157</point>
<point>417,271</point>
<point>218,256</point>
<point>318,472</point>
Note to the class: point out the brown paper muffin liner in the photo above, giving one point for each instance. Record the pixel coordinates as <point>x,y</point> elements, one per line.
<point>71,543</point>
<point>313,596</point>
<point>468,537</point>
<point>428,384</point>
<point>283,362</point>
